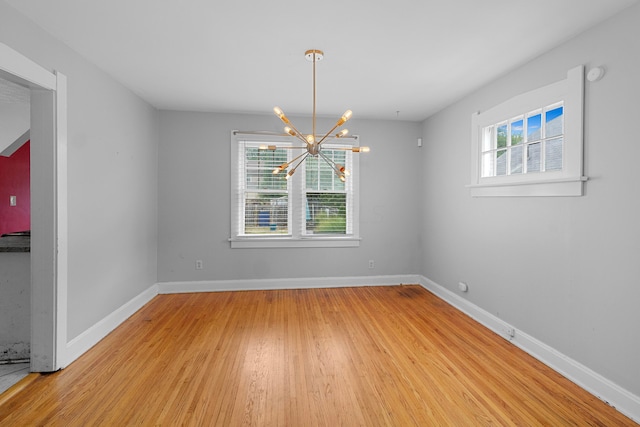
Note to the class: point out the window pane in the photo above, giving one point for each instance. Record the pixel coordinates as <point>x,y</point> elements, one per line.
<point>534,125</point>
<point>554,122</point>
<point>501,162</point>
<point>259,165</point>
<point>320,176</point>
<point>502,136</point>
<point>487,164</point>
<point>265,213</point>
<point>326,213</point>
<point>312,177</point>
<point>516,160</point>
<point>533,157</point>
<point>553,154</point>
<point>340,157</point>
<point>517,132</point>
<point>326,176</point>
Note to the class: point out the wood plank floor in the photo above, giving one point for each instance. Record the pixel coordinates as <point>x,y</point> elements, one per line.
<point>369,356</point>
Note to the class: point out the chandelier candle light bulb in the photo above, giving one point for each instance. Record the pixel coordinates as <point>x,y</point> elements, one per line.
<point>360,149</point>
<point>280,114</point>
<point>346,116</point>
<point>312,144</point>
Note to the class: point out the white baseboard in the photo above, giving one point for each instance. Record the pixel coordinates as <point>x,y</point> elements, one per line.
<point>614,395</point>
<point>301,283</point>
<point>621,399</point>
<point>83,342</point>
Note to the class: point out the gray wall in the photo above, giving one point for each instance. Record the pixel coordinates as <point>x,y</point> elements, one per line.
<point>194,212</point>
<point>112,176</point>
<point>564,270</point>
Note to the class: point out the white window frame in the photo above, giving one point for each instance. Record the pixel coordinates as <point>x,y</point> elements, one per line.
<point>566,182</point>
<point>297,238</point>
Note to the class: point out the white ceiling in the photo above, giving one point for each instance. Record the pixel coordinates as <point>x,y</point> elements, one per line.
<point>381,56</point>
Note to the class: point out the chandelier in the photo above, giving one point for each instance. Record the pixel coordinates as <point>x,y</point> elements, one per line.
<point>313,143</point>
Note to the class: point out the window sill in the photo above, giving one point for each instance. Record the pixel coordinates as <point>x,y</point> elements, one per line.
<point>289,242</point>
<point>568,187</point>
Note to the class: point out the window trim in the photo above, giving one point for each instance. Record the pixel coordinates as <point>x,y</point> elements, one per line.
<point>297,238</point>
<point>566,182</point>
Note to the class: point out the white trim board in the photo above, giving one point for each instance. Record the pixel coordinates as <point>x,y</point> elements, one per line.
<point>622,400</point>
<point>48,121</point>
<point>16,65</point>
<point>619,398</point>
<point>87,339</point>
<point>83,342</point>
<point>299,283</point>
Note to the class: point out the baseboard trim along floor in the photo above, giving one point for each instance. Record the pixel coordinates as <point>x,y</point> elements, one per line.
<point>616,396</point>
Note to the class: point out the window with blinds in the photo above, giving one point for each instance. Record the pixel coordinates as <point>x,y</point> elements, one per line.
<point>326,196</point>
<point>313,208</point>
<point>265,196</point>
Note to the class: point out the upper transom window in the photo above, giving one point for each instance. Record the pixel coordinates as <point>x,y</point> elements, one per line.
<point>528,143</point>
<point>531,144</point>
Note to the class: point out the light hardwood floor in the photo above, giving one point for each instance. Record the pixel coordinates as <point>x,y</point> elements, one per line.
<point>348,356</point>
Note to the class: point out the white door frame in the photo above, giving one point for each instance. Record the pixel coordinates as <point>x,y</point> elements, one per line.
<point>49,251</point>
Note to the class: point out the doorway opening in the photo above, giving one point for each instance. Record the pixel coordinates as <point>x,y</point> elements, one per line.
<point>48,187</point>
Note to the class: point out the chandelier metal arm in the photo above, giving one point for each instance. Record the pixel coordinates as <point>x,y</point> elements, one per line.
<point>327,134</point>
<point>286,165</point>
<point>292,171</point>
<point>342,120</point>
<point>341,172</point>
<point>329,161</point>
<point>290,130</point>
<point>298,135</point>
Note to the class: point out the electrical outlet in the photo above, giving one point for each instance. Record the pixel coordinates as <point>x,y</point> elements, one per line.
<point>372,263</point>
<point>506,331</point>
<point>199,265</point>
<point>13,200</point>
<point>511,332</point>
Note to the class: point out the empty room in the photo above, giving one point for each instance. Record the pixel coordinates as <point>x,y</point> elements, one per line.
<point>336,213</point>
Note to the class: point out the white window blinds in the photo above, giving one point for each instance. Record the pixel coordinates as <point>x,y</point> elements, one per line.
<point>263,196</point>
<point>328,200</point>
<point>315,205</point>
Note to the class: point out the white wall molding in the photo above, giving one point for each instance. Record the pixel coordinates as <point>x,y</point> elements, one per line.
<point>621,399</point>
<point>47,119</point>
<point>17,68</point>
<point>624,401</point>
<point>83,342</point>
<point>299,283</point>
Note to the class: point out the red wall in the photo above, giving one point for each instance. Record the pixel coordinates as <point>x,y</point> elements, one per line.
<point>14,181</point>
